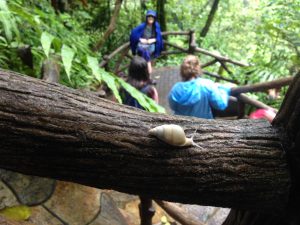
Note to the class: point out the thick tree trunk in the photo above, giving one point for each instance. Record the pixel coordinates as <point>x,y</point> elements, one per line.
<point>53,131</point>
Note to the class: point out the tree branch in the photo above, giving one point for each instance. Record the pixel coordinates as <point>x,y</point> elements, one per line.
<point>262,86</point>
<point>210,18</point>
<point>112,25</point>
<point>53,131</point>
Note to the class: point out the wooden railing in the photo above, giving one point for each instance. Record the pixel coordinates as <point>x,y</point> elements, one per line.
<point>124,53</point>
<point>122,63</point>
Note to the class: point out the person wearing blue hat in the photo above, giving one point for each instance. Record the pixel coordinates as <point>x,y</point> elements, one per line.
<point>196,96</point>
<point>146,39</point>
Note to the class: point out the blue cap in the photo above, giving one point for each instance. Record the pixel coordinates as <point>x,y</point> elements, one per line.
<point>151,13</point>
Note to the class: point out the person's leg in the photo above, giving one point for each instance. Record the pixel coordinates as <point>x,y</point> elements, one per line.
<point>149,67</point>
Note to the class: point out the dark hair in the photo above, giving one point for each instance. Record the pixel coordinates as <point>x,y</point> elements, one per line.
<point>138,71</point>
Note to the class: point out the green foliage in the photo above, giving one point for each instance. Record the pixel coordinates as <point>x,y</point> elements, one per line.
<point>145,101</point>
<point>46,40</point>
<point>265,34</point>
<point>66,35</point>
<point>67,55</point>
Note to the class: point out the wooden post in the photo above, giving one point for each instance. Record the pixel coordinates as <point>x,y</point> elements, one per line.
<point>241,110</point>
<point>177,213</point>
<point>50,71</point>
<point>147,211</point>
<point>192,42</point>
<point>121,58</point>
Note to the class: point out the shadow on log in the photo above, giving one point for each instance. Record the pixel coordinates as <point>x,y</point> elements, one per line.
<point>50,130</point>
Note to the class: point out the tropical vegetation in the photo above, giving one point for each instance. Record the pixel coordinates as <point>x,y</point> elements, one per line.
<point>263,33</point>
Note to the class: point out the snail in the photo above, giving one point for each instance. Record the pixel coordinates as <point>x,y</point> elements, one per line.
<point>173,135</point>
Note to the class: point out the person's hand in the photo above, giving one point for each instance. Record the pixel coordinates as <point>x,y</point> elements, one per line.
<point>143,41</point>
<point>151,40</point>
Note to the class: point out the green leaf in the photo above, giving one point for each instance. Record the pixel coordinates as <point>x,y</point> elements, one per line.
<point>67,55</point>
<point>8,21</point>
<point>148,103</point>
<point>17,213</point>
<point>46,40</point>
<point>93,64</point>
<point>111,82</point>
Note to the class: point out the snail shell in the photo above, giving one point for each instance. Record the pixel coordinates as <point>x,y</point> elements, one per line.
<point>171,134</point>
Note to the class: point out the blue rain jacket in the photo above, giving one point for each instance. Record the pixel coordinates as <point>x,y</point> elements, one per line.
<point>138,32</point>
<point>197,96</point>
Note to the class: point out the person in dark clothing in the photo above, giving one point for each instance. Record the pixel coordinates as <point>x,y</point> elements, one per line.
<point>139,77</point>
<point>146,39</point>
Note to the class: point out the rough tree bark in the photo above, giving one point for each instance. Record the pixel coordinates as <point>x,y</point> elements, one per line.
<point>112,25</point>
<point>53,131</point>
<point>288,120</point>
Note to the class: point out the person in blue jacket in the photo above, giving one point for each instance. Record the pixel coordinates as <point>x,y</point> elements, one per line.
<point>146,39</point>
<point>196,96</point>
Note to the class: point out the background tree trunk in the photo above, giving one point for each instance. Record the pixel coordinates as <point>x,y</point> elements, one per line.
<point>112,25</point>
<point>143,9</point>
<point>209,20</point>
<point>160,7</point>
<point>53,131</point>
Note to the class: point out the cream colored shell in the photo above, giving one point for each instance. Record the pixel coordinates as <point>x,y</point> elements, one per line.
<point>171,134</point>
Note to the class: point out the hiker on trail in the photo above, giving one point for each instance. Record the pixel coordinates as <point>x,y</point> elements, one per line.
<point>196,96</point>
<point>139,77</point>
<point>146,39</point>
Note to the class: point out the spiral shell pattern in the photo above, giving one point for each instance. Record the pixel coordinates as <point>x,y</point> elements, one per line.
<point>171,134</point>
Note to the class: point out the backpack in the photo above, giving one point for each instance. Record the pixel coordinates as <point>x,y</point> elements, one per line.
<point>131,101</point>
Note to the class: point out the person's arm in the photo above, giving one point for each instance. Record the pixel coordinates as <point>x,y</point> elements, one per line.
<point>143,41</point>
<point>153,94</point>
<point>147,41</point>
<point>219,96</point>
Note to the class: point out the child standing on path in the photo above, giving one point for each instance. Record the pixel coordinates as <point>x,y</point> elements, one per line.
<point>139,78</point>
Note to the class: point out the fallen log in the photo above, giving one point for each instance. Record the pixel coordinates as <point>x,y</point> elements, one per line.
<point>53,131</point>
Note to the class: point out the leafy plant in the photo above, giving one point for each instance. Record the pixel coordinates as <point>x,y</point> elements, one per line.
<point>49,34</point>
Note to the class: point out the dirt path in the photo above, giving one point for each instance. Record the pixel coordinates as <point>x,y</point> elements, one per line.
<point>165,77</point>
